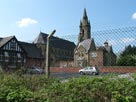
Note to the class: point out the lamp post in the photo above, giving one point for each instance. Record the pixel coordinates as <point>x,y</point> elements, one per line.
<point>47,68</point>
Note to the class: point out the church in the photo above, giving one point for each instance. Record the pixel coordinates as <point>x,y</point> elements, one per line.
<point>86,53</point>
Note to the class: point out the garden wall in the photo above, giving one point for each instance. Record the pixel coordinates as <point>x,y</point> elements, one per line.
<point>109,69</point>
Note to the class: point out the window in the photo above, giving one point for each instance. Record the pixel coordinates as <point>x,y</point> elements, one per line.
<point>12,45</point>
<point>18,55</point>
<point>94,54</point>
<point>6,54</point>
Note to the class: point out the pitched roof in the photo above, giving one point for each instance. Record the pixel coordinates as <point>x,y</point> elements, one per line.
<point>55,42</point>
<point>103,48</point>
<point>86,44</point>
<point>3,41</point>
<point>40,38</point>
<point>32,50</point>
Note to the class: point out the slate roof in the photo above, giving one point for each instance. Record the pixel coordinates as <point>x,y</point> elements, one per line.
<point>32,50</point>
<point>55,42</point>
<point>4,40</point>
<point>108,48</point>
<point>1,39</point>
<point>86,44</point>
<point>101,48</point>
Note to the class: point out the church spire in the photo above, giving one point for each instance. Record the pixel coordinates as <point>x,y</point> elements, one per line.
<point>85,14</point>
<point>85,18</point>
<point>85,28</point>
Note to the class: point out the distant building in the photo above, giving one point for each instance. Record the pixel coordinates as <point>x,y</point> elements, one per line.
<point>34,56</point>
<point>62,51</point>
<point>14,54</point>
<point>86,53</point>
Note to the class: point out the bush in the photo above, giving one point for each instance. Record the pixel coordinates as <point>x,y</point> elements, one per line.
<point>84,89</point>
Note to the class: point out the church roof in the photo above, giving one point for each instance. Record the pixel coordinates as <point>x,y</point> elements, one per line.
<point>86,43</point>
<point>55,42</point>
<point>40,38</point>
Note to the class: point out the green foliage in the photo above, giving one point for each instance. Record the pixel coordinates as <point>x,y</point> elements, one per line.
<point>126,61</point>
<point>84,89</point>
<point>127,57</point>
<point>19,95</point>
<point>129,50</point>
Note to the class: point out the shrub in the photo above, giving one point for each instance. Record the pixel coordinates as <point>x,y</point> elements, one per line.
<point>14,88</point>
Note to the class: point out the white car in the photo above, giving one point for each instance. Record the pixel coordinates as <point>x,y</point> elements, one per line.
<point>89,70</point>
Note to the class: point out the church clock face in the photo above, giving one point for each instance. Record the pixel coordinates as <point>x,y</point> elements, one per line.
<point>93,54</point>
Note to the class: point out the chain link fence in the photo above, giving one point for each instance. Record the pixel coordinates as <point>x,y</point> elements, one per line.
<point>123,43</point>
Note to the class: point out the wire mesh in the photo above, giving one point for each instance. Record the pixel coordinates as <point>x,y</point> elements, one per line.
<point>119,39</point>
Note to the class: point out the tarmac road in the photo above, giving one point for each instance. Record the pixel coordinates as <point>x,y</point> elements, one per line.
<point>64,75</point>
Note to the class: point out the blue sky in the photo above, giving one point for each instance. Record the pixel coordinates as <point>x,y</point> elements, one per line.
<point>26,18</point>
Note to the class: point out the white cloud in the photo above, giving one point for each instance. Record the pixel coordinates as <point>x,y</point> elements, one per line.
<point>134,16</point>
<point>113,42</point>
<point>24,22</point>
<point>128,40</point>
<point>122,40</point>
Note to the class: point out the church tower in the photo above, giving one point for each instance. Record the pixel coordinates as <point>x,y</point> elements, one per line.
<point>85,28</point>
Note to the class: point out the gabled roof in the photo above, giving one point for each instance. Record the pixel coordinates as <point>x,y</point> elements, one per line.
<point>40,38</point>
<point>32,50</point>
<point>5,40</point>
<point>55,42</point>
<point>86,43</point>
<point>103,48</point>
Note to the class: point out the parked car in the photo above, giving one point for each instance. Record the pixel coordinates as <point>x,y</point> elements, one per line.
<point>89,70</point>
<point>35,70</point>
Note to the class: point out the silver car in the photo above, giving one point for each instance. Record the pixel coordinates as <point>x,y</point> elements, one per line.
<point>35,70</point>
<point>89,70</point>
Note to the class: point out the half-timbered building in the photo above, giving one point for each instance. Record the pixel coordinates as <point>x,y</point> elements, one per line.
<point>12,55</point>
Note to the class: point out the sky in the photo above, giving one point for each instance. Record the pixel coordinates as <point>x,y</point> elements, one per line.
<point>27,18</point>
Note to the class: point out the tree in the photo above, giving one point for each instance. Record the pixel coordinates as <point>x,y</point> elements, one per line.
<point>128,57</point>
<point>129,50</point>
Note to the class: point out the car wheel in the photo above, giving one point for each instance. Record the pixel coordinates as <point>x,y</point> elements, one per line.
<point>81,73</point>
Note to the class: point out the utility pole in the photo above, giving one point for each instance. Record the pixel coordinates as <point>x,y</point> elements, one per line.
<point>47,68</point>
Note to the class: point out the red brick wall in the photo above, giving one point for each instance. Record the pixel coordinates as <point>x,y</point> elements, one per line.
<point>98,60</point>
<point>67,70</point>
<point>112,69</point>
<point>119,69</point>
